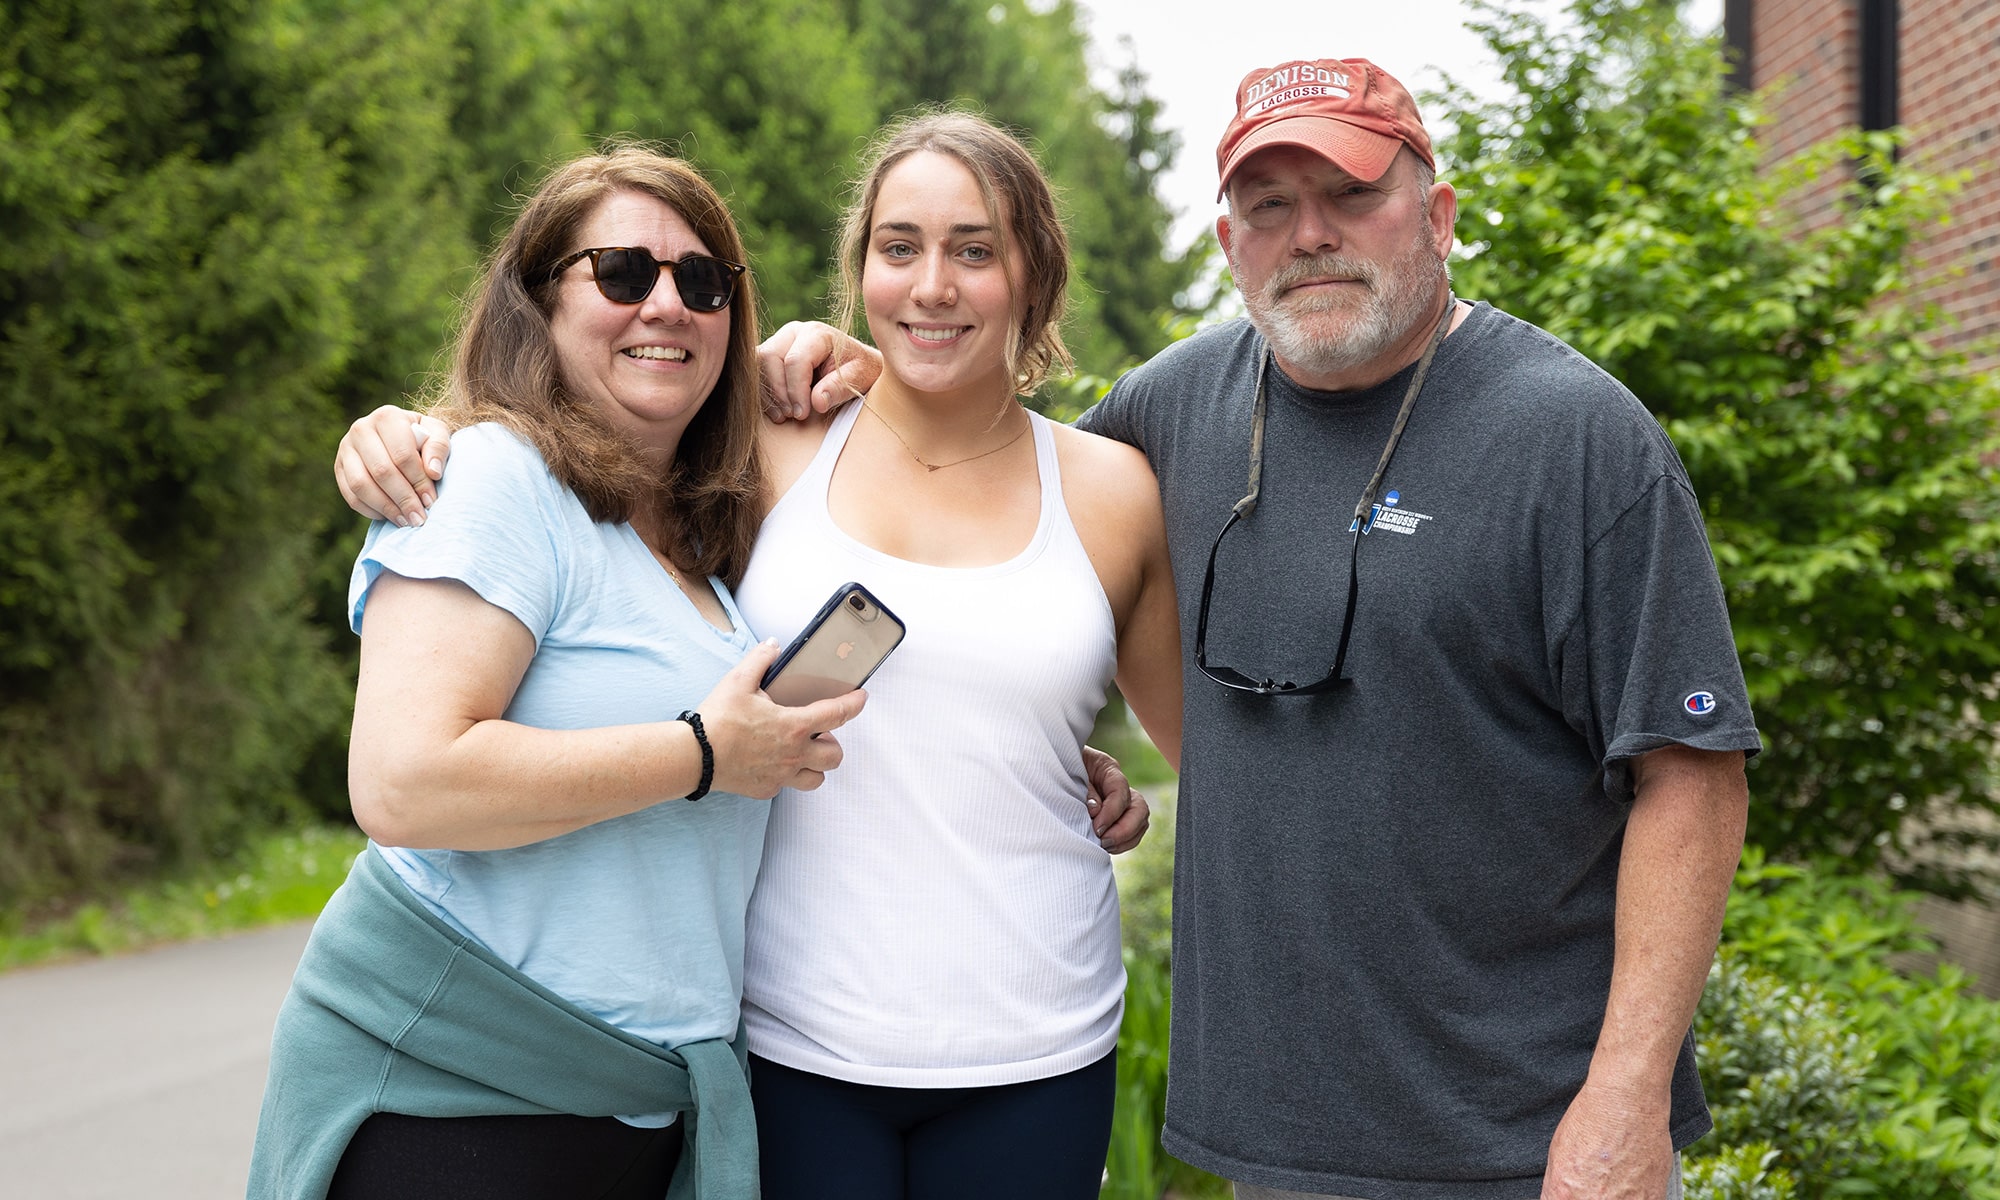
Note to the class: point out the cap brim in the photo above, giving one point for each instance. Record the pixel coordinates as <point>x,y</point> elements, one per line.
<point>1362,153</point>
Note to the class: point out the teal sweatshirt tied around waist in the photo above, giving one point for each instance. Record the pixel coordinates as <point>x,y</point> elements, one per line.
<point>392,1010</point>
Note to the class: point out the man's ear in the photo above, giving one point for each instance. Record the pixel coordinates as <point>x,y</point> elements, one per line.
<point>1443,217</point>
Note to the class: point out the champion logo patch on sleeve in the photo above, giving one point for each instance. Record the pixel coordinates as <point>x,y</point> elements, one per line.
<point>1699,704</point>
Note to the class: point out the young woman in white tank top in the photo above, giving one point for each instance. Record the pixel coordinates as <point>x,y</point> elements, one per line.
<point>932,984</point>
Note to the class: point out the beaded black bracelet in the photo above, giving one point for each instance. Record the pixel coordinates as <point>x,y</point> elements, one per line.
<point>693,719</point>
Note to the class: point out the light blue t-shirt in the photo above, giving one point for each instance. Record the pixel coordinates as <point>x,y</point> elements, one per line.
<point>639,919</point>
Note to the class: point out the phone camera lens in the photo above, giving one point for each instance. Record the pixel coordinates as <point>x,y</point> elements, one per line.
<point>856,603</point>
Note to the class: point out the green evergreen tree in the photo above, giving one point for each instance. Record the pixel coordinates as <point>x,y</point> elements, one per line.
<point>770,98</point>
<point>189,277</point>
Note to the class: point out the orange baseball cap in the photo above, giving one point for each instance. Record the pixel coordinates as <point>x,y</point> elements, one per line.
<point>1346,110</point>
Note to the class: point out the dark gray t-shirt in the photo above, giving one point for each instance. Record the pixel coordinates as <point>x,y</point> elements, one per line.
<point>1393,904</point>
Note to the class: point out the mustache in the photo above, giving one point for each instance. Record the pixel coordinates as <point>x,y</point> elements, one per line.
<point>1319,266</point>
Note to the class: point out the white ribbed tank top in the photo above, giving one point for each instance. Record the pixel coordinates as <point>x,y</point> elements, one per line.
<point>939,914</point>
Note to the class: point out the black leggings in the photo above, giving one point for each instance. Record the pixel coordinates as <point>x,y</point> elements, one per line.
<point>826,1139</point>
<point>394,1157</point>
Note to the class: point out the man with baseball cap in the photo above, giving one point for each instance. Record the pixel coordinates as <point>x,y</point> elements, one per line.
<point>1462,780</point>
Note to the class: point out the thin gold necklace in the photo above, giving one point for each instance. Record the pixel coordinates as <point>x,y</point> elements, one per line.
<point>662,557</point>
<point>930,466</point>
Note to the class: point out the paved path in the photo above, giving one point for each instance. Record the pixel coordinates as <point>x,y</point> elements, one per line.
<point>139,1075</point>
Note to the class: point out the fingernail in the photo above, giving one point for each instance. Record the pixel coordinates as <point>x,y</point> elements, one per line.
<point>417,516</point>
<point>429,498</point>
<point>436,466</point>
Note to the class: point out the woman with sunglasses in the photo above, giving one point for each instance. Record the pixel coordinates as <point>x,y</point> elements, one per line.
<point>933,985</point>
<point>529,985</point>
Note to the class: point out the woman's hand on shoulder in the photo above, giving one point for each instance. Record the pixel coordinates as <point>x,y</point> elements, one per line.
<point>761,745</point>
<point>809,367</point>
<point>389,462</point>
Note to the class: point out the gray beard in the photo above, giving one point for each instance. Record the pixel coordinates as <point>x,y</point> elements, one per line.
<point>1401,295</point>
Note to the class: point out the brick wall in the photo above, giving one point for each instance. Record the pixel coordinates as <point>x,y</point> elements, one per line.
<point>1809,51</point>
<point>1951,103</point>
<point>1949,91</point>
<point>1967,934</point>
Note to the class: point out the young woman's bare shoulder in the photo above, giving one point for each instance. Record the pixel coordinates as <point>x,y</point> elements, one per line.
<point>1114,503</point>
<point>788,449</point>
<point>1103,472</point>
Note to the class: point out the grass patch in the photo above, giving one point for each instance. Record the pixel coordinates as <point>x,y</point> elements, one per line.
<point>281,877</point>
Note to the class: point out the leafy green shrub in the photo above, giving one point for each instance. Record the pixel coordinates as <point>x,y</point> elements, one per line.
<point>1738,1173</point>
<point>1783,1073</point>
<point>1847,1077</point>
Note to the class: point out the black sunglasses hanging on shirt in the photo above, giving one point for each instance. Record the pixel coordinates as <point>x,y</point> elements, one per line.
<point>1230,677</point>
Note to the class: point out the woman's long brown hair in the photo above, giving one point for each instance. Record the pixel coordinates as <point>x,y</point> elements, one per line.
<point>707,502</point>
